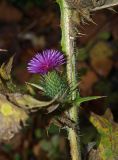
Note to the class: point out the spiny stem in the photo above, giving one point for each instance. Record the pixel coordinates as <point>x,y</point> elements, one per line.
<point>68,47</point>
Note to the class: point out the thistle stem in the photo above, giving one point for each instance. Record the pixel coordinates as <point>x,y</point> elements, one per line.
<point>68,46</point>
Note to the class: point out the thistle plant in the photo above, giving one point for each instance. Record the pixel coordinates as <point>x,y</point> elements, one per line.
<point>61,88</point>
<point>47,65</point>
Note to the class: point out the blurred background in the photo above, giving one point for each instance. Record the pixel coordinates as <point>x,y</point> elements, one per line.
<point>29,26</point>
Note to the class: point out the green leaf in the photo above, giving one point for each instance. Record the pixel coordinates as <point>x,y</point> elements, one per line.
<point>80,100</point>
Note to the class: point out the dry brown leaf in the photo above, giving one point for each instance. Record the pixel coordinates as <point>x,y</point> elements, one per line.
<point>102,66</point>
<point>87,82</point>
<point>107,145</point>
<point>100,50</point>
<point>10,118</point>
<point>37,150</point>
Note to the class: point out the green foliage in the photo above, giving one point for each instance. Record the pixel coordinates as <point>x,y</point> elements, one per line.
<point>104,35</point>
<point>80,100</point>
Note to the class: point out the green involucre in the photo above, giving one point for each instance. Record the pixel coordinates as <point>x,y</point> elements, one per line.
<point>53,84</point>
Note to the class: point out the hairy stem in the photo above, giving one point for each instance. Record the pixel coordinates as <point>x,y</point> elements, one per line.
<point>68,47</point>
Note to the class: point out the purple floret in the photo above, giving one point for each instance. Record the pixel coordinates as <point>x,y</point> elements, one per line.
<point>45,62</point>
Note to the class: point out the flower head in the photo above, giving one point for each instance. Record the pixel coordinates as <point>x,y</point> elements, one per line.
<point>45,62</point>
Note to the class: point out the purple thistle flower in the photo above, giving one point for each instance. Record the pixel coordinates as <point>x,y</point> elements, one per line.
<point>45,62</point>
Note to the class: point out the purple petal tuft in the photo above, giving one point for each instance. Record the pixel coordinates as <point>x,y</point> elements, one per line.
<point>45,62</point>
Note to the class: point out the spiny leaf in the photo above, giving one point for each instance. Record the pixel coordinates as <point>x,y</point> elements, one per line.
<point>28,102</point>
<point>80,100</point>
